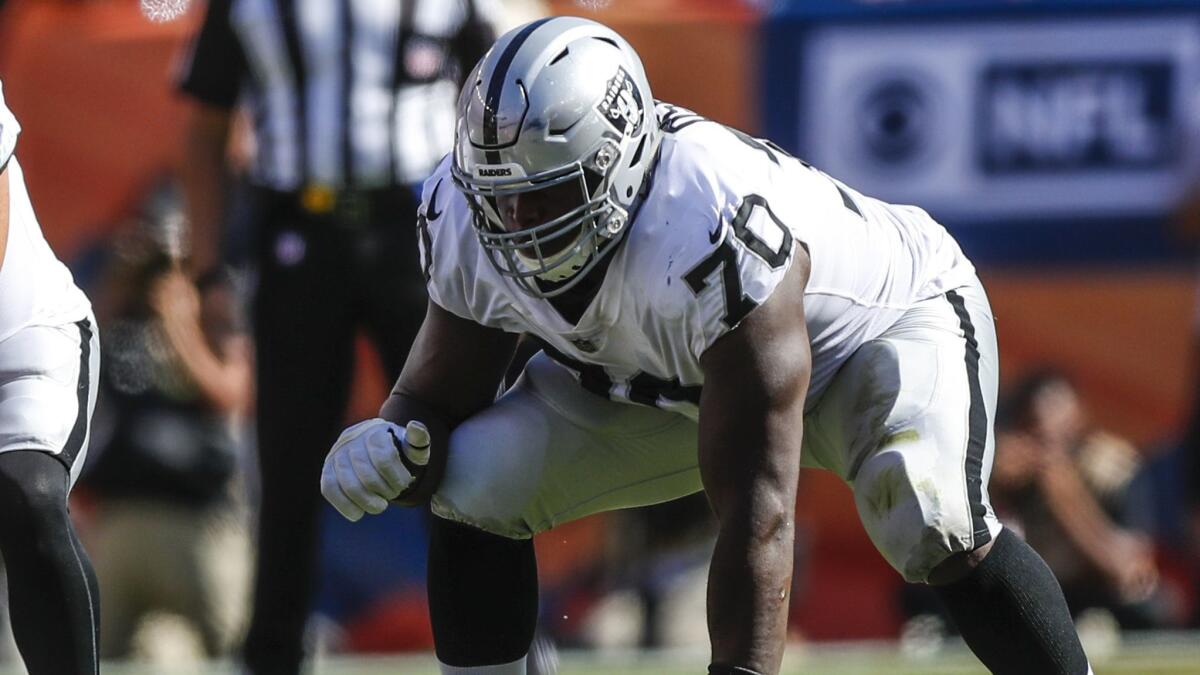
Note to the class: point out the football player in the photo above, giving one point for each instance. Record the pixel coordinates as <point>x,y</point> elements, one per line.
<point>49,360</point>
<point>702,297</point>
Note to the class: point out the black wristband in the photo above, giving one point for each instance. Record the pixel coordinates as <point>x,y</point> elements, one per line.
<point>722,669</point>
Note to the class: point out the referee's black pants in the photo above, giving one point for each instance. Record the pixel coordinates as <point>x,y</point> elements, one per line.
<point>321,281</point>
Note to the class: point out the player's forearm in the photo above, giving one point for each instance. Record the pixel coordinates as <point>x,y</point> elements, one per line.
<point>750,463</point>
<point>401,409</point>
<point>453,369</point>
<point>751,430</point>
<point>749,584</point>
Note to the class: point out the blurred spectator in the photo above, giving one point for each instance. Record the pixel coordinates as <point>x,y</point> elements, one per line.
<point>170,530</point>
<point>352,104</point>
<point>652,550</point>
<point>1062,482</point>
<point>640,583</point>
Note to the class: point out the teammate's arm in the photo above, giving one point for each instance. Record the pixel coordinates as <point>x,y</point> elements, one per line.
<point>453,370</point>
<point>203,177</point>
<point>751,415</point>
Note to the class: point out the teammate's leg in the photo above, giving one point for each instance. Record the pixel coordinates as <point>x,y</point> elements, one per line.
<point>546,453</point>
<point>52,590</point>
<point>47,394</point>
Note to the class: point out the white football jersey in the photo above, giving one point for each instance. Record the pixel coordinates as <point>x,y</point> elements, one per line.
<point>713,238</point>
<point>35,288</point>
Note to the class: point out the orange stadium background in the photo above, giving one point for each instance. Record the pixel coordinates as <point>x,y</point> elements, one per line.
<point>92,83</point>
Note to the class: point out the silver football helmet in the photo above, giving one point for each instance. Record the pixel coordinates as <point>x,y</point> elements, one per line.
<point>558,104</point>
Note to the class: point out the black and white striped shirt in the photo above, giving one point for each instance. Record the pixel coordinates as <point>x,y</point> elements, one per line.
<point>357,93</point>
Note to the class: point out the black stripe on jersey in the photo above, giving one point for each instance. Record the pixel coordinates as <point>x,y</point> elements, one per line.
<point>593,377</point>
<point>79,431</point>
<point>977,425</point>
<point>295,54</point>
<point>492,103</point>
<point>847,201</point>
<point>677,119</point>
<point>646,389</point>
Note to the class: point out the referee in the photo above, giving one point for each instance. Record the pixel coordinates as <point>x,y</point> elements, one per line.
<point>352,102</point>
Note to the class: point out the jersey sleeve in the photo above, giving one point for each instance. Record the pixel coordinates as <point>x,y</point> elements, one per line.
<point>752,253</point>
<point>9,129</point>
<point>738,246</point>
<point>213,69</point>
<point>445,257</point>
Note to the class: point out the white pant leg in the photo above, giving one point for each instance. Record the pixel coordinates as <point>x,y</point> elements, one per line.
<point>549,452</point>
<point>907,422</point>
<point>48,381</point>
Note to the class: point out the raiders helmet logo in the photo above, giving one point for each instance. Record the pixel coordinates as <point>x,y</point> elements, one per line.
<point>622,104</point>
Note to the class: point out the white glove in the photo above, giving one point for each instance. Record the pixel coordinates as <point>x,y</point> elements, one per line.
<point>365,468</point>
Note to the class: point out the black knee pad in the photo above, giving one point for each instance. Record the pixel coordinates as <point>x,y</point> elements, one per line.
<point>482,595</point>
<point>33,496</point>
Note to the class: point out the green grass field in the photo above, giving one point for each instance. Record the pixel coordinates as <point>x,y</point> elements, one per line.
<point>1158,654</point>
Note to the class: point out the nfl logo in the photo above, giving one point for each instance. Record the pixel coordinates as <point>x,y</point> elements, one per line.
<point>584,345</point>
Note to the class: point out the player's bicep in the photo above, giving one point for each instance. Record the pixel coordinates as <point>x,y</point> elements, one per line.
<point>455,364</point>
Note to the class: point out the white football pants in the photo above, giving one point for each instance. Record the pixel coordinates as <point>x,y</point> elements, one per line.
<point>906,422</point>
<point>48,381</point>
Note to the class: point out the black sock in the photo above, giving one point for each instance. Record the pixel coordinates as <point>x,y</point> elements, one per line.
<point>53,604</point>
<point>482,595</point>
<point>1012,614</point>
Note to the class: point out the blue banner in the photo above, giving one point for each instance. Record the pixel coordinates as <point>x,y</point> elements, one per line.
<point>999,121</point>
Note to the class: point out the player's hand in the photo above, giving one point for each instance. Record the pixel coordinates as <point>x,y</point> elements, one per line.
<point>371,463</point>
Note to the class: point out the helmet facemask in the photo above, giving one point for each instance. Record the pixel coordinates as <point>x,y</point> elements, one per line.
<point>580,221</point>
